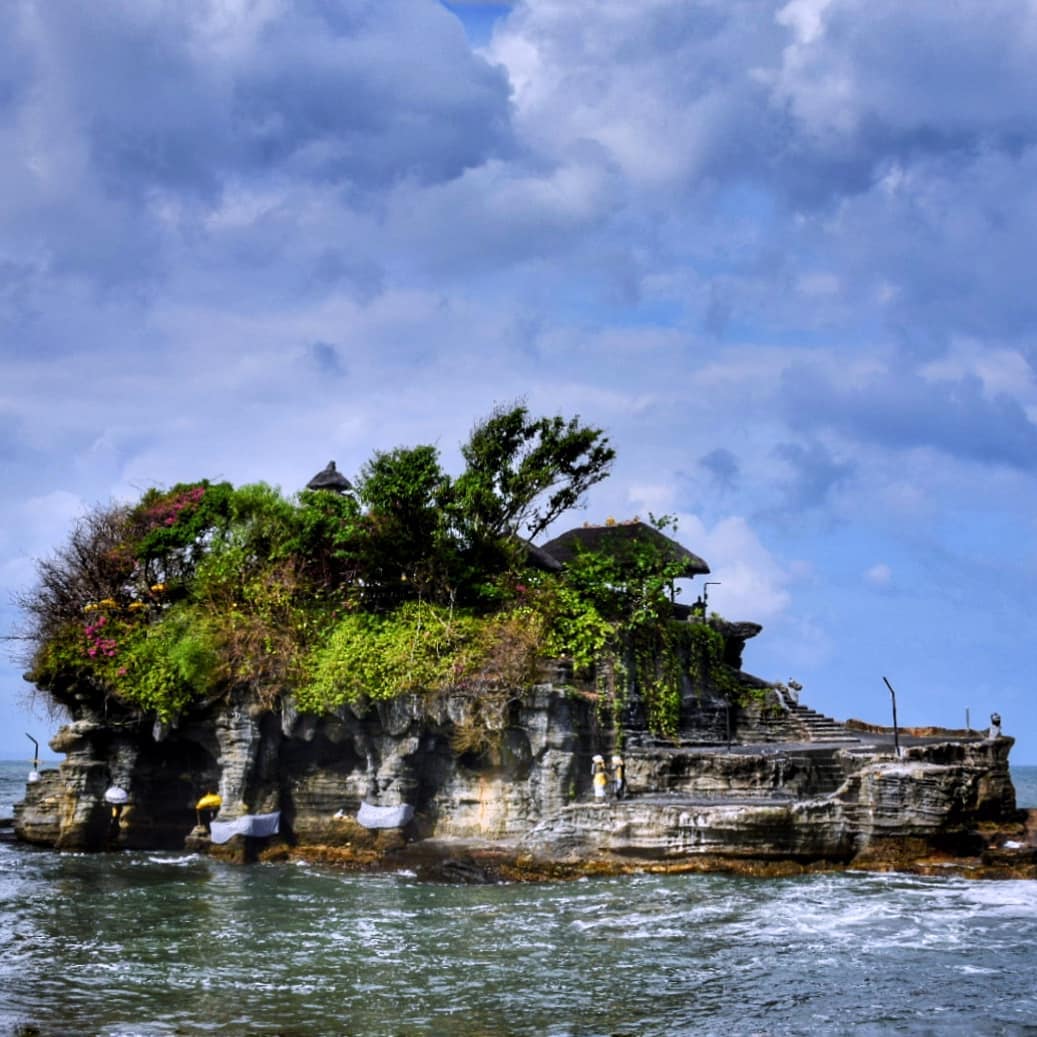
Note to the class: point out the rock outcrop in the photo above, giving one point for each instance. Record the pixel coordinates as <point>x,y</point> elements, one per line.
<point>741,786</point>
<point>501,784</point>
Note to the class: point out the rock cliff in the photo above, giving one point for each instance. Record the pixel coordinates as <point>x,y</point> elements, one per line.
<point>750,786</point>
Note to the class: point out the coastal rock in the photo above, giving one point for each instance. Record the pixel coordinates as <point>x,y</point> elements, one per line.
<point>512,776</point>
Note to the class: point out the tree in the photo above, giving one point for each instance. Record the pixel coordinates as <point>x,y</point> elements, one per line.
<point>523,472</point>
<point>408,547</point>
<point>96,564</point>
<point>170,530</point>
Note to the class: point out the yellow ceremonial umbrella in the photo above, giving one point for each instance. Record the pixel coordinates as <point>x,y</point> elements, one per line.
<point>210,801</point>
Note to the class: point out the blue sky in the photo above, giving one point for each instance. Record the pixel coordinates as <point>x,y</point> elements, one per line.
<point>781,252</point>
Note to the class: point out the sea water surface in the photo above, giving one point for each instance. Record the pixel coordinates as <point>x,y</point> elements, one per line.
<point>156,944</point>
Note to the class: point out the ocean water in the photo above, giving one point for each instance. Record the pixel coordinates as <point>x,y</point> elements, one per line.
<point>161,944</point>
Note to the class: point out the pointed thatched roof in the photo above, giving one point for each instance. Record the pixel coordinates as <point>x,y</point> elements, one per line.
<point>612,537</point>
<point>330,478</point>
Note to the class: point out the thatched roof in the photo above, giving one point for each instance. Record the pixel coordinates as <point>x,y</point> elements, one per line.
<point>330,478</point>
<point>538,558</point>
<point>611,539</point>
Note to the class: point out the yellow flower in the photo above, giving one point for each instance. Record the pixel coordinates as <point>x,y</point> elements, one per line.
<point>108,603</point>
<point>135,605</point>
<point>158,588</point>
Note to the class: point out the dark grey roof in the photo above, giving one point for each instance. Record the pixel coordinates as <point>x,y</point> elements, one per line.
<point>330,478</point>
<point>611,538</point>
<point>539,558</point>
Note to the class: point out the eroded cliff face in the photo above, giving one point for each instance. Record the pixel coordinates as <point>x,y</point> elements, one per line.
<point>467,774</point>
<point>780,805</point>
<point>738,785</point>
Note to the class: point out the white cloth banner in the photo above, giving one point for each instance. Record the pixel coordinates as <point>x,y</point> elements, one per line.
<point>251,824</point>
<point>371,816</point>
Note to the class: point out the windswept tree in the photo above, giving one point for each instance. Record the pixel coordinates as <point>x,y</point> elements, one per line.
<point>524,472</point>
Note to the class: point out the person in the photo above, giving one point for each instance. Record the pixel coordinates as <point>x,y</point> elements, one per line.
<point>207,808</point>
<point>995,726</point>
<point>113,822</point>
<point>619,782</point>
<point>599,777</point>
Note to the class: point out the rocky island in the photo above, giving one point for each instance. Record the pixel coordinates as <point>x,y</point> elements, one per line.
<point>393,675</point>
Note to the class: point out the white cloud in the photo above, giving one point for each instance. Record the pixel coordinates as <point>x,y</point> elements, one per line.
<point>752,583</point>
<point>879,575</point>
<point>818,283</point>
<point>805,17</point>
<point>792,237</point>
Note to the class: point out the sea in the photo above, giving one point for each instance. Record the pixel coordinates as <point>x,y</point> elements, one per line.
<point>138,943</point>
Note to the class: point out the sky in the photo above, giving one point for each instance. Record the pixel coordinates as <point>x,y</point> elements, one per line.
<point>781,252</point>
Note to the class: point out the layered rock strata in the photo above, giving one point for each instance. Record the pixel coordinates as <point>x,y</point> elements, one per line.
<point>513,777</point>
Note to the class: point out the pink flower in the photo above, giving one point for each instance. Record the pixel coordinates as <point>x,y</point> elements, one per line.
<point>121,671</point>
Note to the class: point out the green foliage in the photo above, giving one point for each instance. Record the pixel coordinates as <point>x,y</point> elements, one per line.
<point>371,656</point>
<point>261,611</point>
<point>415,583</point>
<point>169,529</point>
<point>327,539</point>
<point>525,472</point>
<point>613,615</point>
<point>166,665</point>
<point>576,628</point>
<point>658,664</point>
<point>408,548</point>
<point>59,664</point>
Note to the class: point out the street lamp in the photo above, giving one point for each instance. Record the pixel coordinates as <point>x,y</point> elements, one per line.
<point>34,774</point>
<point>896,733</point>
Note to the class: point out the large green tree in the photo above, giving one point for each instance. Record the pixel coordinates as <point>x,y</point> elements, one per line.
<point>409,549</point>
<point>524,472</point>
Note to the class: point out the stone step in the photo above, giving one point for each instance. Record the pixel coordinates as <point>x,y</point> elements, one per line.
<point>821,728</point>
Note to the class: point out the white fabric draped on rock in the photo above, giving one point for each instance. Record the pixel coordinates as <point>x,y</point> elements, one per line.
<point>251,824</point>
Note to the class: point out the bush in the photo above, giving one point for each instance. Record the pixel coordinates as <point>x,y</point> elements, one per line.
<point>370,656</point>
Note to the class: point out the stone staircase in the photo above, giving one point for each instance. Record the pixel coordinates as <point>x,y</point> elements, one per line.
<point>817,727</point>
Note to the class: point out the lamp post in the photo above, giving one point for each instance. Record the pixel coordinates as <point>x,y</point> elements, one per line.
<point>34,774</point>
<point>896,732</point>
<point>705,589</point>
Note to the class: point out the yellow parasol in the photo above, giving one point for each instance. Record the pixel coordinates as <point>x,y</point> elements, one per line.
<point>210,801</point>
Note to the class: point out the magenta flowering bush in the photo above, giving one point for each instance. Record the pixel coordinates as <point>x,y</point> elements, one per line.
<point>98,643</point>
<point>166,510</point>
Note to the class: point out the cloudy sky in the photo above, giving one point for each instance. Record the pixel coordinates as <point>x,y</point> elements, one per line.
<point>781,252</point>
